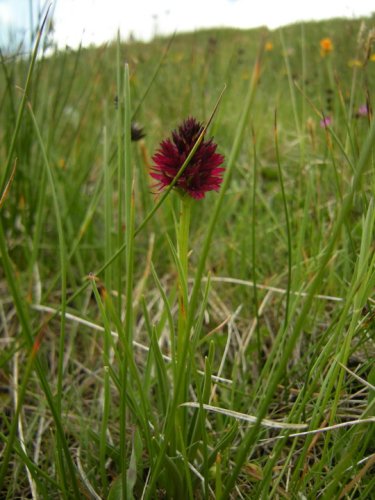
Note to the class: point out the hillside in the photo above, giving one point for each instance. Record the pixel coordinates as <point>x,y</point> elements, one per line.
<point>160,340</point>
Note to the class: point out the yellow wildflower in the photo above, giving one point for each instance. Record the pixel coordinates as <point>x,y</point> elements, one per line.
<point>354,63</point>
<point>61,163</point>
<point>326,46</point>
<point>268,47</point>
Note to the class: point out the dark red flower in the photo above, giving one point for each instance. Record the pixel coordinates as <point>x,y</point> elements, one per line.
<point>203,172</point>
<point>136,132</point>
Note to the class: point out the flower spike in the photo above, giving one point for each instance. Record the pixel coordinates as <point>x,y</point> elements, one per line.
<point>202,174</point>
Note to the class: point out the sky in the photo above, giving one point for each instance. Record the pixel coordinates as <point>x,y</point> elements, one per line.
<point>97,21</point>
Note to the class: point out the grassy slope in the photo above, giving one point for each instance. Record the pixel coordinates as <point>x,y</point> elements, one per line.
<point>72,95</point>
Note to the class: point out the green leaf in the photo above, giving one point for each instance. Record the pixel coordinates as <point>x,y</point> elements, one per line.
<point>115,491</point>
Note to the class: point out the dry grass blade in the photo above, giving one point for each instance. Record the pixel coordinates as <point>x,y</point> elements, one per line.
<point>99,328</point>
<point>21,433</point>
<point>84,477</point>
<point>357,377</point>
<point>8,184</point>
<point>273,424</point>
<point>330,428</point>
<point>235,281</point>
<point>358,477</point>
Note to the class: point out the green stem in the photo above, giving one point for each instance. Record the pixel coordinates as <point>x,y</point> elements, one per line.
<point>183,304</point>
<point>183,249</point>
<point>287,223</point>
<point>129,262</point>
<point>253,250</point>
<point>120,177</point>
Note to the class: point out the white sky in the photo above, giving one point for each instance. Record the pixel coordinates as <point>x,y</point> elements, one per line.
<point>97,21</point>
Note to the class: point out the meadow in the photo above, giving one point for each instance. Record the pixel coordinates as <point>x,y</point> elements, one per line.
<point>154,345</point>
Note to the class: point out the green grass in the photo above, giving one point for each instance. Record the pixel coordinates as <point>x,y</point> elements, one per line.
<point>219,350</point>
